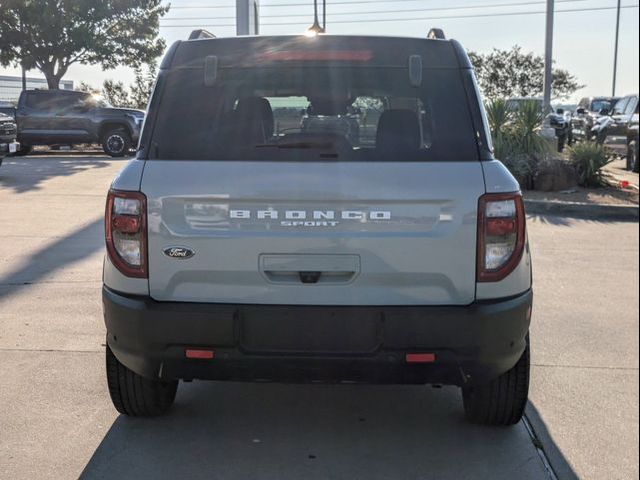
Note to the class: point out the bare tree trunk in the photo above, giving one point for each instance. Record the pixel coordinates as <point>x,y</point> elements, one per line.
<point>53,77</point>
<point>53,81</point>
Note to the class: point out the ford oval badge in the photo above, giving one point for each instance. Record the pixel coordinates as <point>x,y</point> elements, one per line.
<point>179,252</point>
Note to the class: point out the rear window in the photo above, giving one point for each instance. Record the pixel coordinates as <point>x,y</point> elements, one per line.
<point>303,112</point>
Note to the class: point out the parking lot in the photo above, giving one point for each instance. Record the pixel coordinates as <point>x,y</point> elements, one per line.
<point>56,419</point>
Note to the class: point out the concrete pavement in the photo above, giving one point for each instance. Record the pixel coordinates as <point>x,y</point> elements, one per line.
<point>56,420</point>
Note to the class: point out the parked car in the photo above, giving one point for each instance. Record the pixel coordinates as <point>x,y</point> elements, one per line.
<point>239,254</point>
<point>619,130</point>
<point>8,109</point>
<point>8,142</point>
<point>556,123</point>
<point>60,117</point>
<point>588,111</point>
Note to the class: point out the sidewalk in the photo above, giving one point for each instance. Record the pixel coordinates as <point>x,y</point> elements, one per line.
<point>617,169</point>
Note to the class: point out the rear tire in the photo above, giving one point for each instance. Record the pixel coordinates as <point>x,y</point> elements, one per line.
<point>135,395</point>
<point>116,143</point>
<point>502,401</point>
<point>23,150</point>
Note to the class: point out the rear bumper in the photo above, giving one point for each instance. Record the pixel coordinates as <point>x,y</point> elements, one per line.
<point>472,344</point>
<point>5,146</point>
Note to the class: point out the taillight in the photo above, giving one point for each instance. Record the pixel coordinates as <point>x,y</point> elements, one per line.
<point>501,235</point>
<point>126,232</point>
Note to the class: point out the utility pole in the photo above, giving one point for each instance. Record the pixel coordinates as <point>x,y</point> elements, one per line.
<point>324,16</point>
<point>548,56</point>
<point>24,73</point>
<point>615,52</point>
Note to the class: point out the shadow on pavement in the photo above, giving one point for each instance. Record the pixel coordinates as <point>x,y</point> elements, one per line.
<point>570,220</point>
<point>274,431</point>
<point>24,174</point>
<point>556,458</point>
<point>62,253</point>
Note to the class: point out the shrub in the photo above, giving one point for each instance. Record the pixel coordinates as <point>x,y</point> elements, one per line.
<point>589,159</point>
<point>516,138</point>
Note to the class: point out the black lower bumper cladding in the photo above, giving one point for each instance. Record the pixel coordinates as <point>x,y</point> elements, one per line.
<point>299,343</point>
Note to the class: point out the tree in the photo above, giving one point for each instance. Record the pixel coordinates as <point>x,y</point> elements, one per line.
<point>143,85</point>
<point>513,73</point>
<point>139,92</point>
<point>116,94</point>
<point>85,87</point>
<point>52,35</point>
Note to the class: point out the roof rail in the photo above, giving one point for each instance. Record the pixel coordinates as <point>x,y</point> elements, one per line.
<point>436,33</point>
<point>201,33</point>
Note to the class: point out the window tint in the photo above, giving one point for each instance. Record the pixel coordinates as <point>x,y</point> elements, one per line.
<point>305,113</point>
<point>51,103</point>
<point>632,106</point>
<point>620,106</point>
<point>598,105</point>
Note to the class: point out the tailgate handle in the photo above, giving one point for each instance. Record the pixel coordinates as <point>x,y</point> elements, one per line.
<point>309,269</point>
<point>308,277</point>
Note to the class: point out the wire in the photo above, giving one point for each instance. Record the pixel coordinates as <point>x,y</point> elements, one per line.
<point>505,14</point>
<point>416,10</point>
<point>307,4</point>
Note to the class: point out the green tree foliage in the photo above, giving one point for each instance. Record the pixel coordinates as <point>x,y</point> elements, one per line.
<point>138,93</point>
<point>52,35</point>
<point>116,94</point>
<point>514,73</point>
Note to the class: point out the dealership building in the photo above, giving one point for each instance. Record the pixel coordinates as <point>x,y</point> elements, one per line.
<point>11,86</point>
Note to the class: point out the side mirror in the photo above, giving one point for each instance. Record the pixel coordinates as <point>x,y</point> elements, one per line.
<point>581,111</point>
<point>604,111</point>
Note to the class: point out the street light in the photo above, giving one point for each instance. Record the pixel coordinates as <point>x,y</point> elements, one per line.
<point>314,29</point>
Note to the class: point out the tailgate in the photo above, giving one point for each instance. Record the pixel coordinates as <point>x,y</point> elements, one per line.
<point>345,233</point>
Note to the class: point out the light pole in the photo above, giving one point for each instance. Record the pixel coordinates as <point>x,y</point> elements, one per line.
<point>324,15</point>
<point>314,29</point>
<point>615,53</point>
<point>548,57</point>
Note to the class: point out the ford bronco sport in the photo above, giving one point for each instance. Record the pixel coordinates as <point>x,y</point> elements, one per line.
<point>242,246</point>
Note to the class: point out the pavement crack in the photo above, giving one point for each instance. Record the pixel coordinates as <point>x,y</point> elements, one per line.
<point>48,350</point>
<point>585,367</point>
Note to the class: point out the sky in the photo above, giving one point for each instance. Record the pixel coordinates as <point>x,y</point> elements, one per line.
<point>583,40</point>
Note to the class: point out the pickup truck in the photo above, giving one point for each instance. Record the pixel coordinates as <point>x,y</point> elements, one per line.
<point>241,253</point>
<point>60,117</point>
<point>8,142</point>
<point>618,130</point>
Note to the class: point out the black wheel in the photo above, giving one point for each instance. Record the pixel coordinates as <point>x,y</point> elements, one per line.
<point>116,143</point>
<point>502,401</point>
<point>23,150</point>
<point>137,396</point>
<point>632,156</point>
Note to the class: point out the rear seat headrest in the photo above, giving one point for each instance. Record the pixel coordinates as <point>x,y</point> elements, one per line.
<point>398,130</point>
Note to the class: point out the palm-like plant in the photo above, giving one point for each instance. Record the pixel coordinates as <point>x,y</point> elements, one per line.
<point>589,160</point>
<point>528,121</point>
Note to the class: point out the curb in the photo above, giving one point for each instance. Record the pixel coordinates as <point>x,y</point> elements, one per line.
<point>578,209</point>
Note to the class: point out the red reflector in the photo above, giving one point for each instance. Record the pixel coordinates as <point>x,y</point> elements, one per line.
<point>420,357</point>
<point>203,354</point>
<point>501,226</point>
<point>126,224</point>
